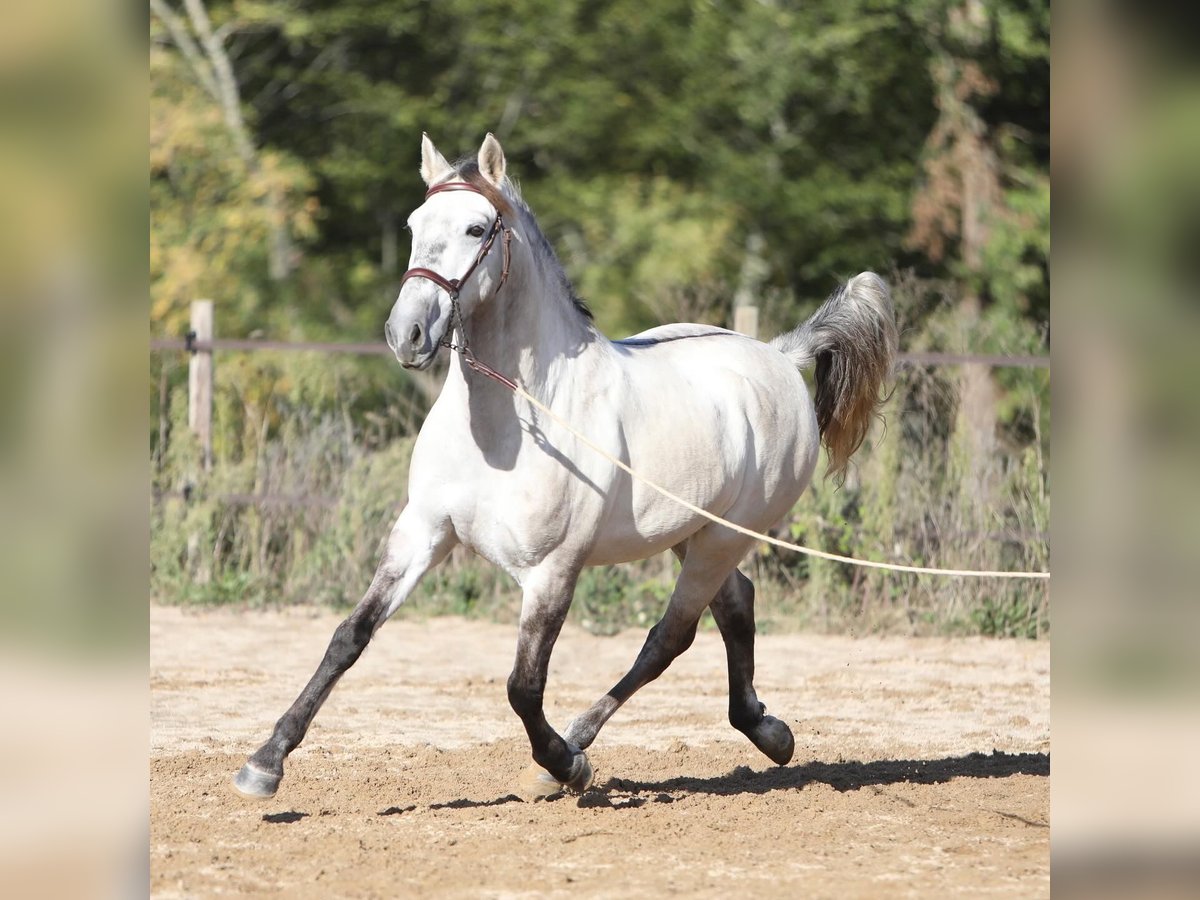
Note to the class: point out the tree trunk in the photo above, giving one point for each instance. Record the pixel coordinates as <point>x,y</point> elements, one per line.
<point>214,71</point>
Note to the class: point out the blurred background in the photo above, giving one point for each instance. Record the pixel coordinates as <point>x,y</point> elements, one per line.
<point>1126,671</point>
<point>685,158</point>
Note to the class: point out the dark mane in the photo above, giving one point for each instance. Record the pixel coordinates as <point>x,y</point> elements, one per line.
<point>507,200</point>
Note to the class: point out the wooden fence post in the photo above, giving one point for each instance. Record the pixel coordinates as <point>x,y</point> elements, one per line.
<point>200,379</point>
<point>750,281</point>
<point>745,320</point>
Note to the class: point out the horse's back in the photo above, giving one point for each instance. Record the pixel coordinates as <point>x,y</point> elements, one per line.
<point>725,369</point>
<point>720,417</point>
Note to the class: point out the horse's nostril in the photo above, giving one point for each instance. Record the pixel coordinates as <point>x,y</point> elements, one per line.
<point>415,337</point>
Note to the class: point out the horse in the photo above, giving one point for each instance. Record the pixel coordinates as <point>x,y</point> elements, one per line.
<point>725,421</point>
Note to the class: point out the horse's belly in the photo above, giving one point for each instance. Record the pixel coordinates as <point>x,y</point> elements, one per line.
<point>640,522</point>
<point>625,541</point>
<point>643,522</point>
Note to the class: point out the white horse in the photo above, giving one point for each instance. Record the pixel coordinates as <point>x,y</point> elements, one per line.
<point>721,420</point>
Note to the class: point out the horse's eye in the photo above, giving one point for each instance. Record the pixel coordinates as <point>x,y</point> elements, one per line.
<point>475,231</point>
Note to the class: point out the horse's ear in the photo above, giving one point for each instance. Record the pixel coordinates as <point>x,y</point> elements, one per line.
<point>491,159</point>
<point>433,164</point>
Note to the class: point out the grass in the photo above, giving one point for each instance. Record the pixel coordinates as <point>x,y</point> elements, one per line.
<point>932,487</point>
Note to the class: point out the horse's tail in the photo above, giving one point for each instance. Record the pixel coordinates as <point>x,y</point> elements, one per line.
<point>852,340</point>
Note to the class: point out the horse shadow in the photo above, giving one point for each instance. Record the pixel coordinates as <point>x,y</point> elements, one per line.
<point>627,793</point>
<point>845,775</point>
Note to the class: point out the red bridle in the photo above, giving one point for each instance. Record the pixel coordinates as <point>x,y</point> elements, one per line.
<point>452,286</point>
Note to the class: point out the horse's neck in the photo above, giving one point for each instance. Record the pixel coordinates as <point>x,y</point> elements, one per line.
<point>531,329</point>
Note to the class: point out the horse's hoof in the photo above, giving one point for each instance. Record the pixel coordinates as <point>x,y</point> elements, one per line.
<point>581,774</point>
<point>536,783</point>
<point>774,738</point>
<point>256,784</point>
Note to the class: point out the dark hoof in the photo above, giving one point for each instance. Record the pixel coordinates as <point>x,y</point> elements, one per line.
<point>256,784</point>
<point>774,738</point>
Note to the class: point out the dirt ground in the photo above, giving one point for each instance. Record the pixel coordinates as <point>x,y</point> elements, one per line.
<point>922,768</point>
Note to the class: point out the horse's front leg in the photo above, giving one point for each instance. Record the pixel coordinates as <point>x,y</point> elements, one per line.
<point>415,545</point>
<point>547,594</point>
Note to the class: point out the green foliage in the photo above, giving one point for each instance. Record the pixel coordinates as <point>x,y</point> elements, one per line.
<point>642,243</point>
<point>920,491</point>
<point>924,491</point>
<point>650,140</point>
<point>298,520</point>
<point>610,598</point>
<point>209,222</point>
<point>675,153</point>
<point>1014,267</point>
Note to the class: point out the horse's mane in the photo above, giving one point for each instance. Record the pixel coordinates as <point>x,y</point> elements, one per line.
<point>507,199</point>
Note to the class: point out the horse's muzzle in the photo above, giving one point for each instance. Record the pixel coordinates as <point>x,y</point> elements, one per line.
<point>410,340</point>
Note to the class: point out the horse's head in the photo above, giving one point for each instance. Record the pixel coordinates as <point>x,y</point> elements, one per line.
<point>459,252</point>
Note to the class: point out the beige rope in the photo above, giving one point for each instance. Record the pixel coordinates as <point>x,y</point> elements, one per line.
<point>786,545</point>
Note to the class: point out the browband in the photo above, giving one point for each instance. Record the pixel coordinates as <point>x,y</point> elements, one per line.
<point>452,186</point>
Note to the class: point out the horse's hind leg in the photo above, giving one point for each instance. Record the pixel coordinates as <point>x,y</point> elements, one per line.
<point>412,549</point>
<point>711,557</point>
<point>733,610</point>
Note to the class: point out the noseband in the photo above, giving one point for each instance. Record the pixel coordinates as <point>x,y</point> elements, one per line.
<point>453,286</point>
